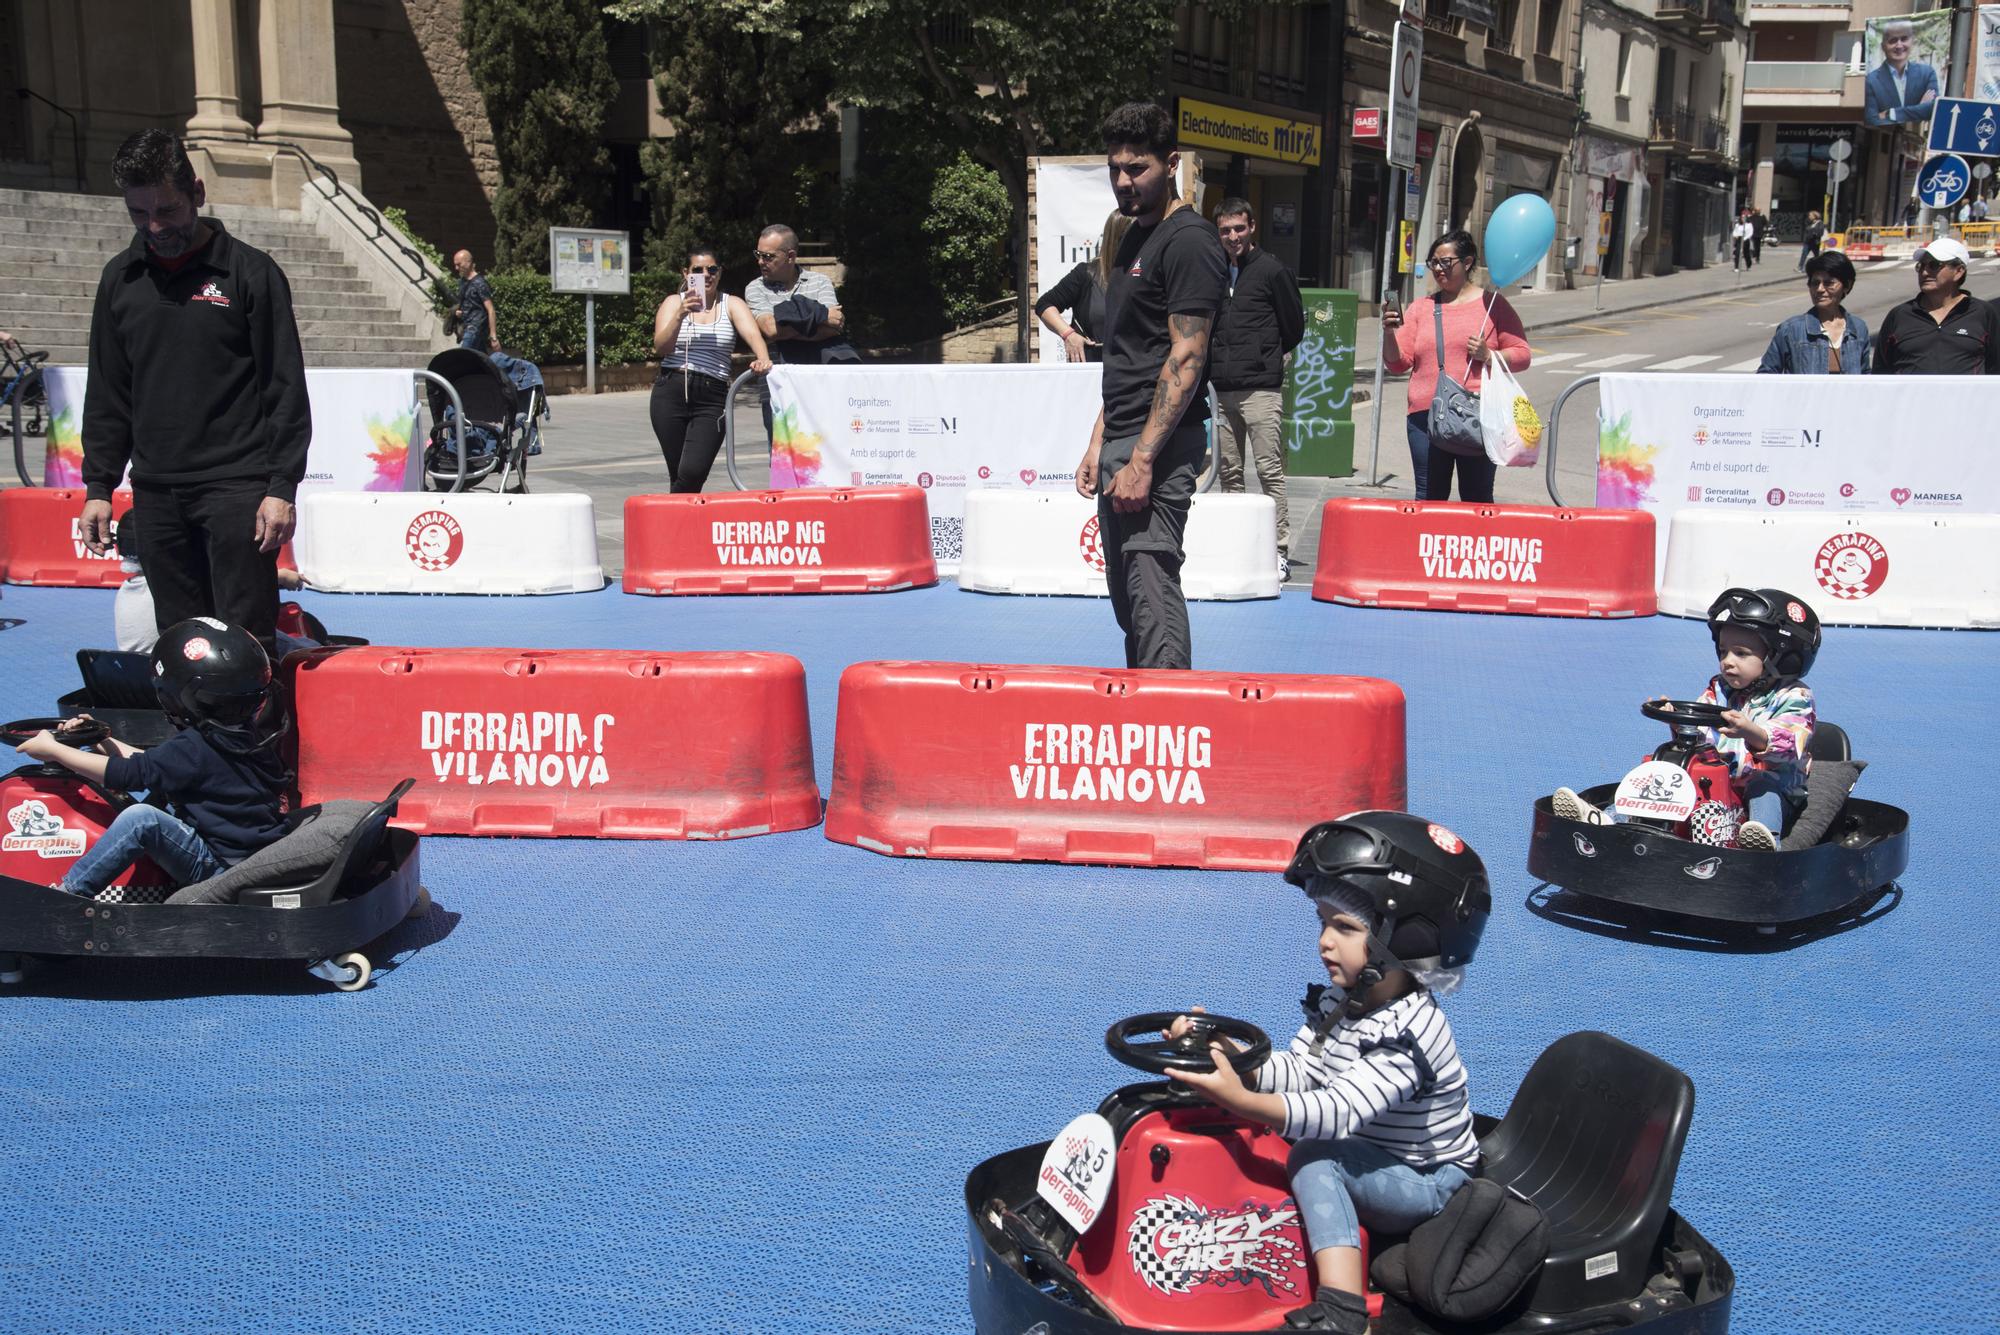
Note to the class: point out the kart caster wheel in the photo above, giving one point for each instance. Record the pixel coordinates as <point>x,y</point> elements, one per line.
<point>349,972</point>
<point>10,970</point>
<point>420,906</point>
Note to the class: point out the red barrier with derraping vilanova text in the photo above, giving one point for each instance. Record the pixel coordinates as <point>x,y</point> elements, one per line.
<point>803,540</point>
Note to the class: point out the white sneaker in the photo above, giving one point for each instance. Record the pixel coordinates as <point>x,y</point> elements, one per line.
<point>1756,836</point>
<point>1571,807</point>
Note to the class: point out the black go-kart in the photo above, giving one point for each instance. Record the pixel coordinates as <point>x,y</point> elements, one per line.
<point>1835,854</point>
<point>1161,1212</point>
<point>371,882</point>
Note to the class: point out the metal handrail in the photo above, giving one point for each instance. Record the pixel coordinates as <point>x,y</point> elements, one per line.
<point>383,230</point>
<point>736,479</point>
<point>458,425</point>
<point>1551,436</point>
<point>75,132</point>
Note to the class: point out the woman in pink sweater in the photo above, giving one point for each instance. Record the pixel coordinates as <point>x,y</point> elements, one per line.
<point>1477,324</point>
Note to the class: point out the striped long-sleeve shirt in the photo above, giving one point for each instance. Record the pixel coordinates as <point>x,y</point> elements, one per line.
<point>1392,1077</point>
<point>1786,713</point>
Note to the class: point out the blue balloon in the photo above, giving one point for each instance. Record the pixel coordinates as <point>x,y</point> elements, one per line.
<point>1517,236</point>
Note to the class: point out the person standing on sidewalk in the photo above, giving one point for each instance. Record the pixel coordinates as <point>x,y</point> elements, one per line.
<point>1146,447</point>
<point>1739,236</point>
<point>1261,321</point>
<point>1942,330</point>
<point>197,381</point>
<point>1815,233</point>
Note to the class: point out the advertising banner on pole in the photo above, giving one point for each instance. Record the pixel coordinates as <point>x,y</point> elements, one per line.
<point>1785,444</point>
<point>362,423</point>
<point>945,429</point>
<point>1986,55</point>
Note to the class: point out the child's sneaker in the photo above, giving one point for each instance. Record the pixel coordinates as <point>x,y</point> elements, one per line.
<point>1756,836</point>
<point>1571,807</point>
<point>1331,1309</point>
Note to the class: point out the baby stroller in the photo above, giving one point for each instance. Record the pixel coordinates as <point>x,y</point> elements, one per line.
<point>502,422</point>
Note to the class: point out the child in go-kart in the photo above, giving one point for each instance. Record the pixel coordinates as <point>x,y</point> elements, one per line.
<point>1765,643</point>
<point>1372,1094</point>
<point>222,770</point>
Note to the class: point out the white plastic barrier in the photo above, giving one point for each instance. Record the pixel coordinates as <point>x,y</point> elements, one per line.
<point>1855,570</point>
<point>434,542</point>
<point>1047,543</point>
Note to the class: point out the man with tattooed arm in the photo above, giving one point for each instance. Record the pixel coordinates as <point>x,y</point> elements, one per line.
<point>1146,449</point>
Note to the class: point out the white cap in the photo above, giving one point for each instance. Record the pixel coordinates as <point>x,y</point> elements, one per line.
<point>1947,250</point>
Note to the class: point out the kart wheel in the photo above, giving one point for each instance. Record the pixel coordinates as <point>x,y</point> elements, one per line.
<point>10,970</point>
<point>361,970</point>
<point>421,905</point>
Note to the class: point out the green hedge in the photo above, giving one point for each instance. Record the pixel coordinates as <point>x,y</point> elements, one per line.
<point>547,328</point>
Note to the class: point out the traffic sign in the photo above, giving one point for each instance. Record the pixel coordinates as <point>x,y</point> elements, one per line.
<point>1841,150</point>
<point>1406,63</point>
<point>1838,171</point>
<point>1943,181</point>
<point>1981,170</point>
<point>1968,128</point>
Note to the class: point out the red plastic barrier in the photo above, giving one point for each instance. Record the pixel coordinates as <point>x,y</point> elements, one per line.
<point>598,743</point>
<point>805,540</point>
<point>41,538</point>
<point>1526,559</point>
<point>1069,764</point>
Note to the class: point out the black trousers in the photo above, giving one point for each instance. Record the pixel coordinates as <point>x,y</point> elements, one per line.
<point>687,420</point>
<point>1143,553</point>
<point>198,547</point>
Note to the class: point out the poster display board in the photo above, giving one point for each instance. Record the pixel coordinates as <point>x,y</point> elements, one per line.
<point>585,260</point>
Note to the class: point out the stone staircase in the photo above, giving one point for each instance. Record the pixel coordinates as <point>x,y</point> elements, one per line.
<point>53,248</point>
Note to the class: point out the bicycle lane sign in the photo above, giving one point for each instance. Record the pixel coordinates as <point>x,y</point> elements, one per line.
<point>1944,181</point>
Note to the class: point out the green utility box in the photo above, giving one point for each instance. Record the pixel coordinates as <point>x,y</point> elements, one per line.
<point>1319,388</point>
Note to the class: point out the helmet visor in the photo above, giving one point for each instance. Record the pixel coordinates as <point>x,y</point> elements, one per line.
<point>1743,605</point>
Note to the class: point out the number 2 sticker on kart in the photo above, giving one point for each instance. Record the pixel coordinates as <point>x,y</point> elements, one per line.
<point>1656,790</point>
<point>1075,1176</point>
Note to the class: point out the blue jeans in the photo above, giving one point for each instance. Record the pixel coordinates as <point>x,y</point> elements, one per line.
<point>1342,1184</point>
<point>1432,468</point>
<point>173,846</point>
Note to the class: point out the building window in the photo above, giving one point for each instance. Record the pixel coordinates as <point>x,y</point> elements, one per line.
<point>1506,18</point>
<point>1202,50</point>
<point>1548,27</point>
<point>1438,17</point>
<point>1624,64</point>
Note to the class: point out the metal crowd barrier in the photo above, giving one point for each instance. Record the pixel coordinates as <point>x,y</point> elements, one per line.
<point>1552,436</point>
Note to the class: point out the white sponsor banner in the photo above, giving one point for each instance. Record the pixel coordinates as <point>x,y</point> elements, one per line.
<point>1986,55</point>
<point>946,429</point>
<point>362,422</point>
<point>1792,444</point>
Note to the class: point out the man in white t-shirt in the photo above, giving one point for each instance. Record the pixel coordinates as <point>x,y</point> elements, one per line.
<point>797,310</point>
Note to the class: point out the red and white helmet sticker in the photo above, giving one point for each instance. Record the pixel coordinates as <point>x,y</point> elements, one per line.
<point>1445,839</point>
<point>1796,612</point>
<point>195,649</point>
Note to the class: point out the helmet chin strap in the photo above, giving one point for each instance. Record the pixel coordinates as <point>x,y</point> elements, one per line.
<point>1380,960</point>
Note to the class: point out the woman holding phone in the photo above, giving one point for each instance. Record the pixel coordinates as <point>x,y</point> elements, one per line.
<point>694,333</point>
<point>1476,324</point>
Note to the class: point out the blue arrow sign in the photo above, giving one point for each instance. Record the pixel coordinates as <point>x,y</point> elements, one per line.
<point>1943,181</point>
<point>1963,126</point>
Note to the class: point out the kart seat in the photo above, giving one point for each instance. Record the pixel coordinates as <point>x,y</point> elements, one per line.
<point>330,847</point>
<point>1829,742</point>
<point>1594,1138</point>
<point>113,679</point>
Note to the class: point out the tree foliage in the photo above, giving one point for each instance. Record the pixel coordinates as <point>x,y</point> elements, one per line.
<point>544,71</point>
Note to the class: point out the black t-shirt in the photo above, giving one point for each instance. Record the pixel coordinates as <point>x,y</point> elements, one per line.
<point>1177,267</point>
<point>234,802</point>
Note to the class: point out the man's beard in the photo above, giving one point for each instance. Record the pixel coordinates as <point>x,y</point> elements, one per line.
<point>173,244</point>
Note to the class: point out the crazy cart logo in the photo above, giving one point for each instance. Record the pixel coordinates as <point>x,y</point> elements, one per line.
<point>1176,1246</point>
<point>1851,565</point>
<point>1090,542</point>
<point>213,295</point>
<point>1114,762</point>
<point>83,552</point>
<point>38,831</point>
<point>1714,823</point>
<point>770,542</point>
<point>434,540</point>
<point>529,750</point>
<point>1479,557</point>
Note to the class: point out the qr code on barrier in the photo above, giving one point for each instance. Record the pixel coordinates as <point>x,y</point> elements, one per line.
<point>947,538</point>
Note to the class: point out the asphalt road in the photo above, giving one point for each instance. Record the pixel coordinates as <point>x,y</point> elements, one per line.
<point>604,445</point>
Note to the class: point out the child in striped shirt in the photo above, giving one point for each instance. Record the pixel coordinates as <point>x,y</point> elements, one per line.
<point>1372,1094</point>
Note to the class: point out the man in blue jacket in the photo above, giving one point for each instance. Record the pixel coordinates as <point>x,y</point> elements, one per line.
<point>1901,91</point>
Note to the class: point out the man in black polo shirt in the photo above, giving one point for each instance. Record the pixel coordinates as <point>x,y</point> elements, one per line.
<point>198,383</point>
<point>1146,450</point>
<point>1940,331</point>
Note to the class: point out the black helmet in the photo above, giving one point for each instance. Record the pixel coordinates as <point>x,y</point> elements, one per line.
<point>1428,887</point>
<point>215,676</point>
<point>1786,624</point>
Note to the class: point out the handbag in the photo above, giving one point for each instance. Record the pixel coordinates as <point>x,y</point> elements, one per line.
<point>1454,416</point>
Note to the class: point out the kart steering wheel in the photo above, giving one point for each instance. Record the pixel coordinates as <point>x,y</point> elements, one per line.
<point>1190,1051</point>
<point>87,733</point>
<point>1683,713</point>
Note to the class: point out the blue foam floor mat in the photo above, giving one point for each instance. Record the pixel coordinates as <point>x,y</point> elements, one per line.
<point>737,1086</point>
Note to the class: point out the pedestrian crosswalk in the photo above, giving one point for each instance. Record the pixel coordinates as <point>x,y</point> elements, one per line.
<point>1553,361</point>
<point>1684,363</point>
<point>1609,363</point>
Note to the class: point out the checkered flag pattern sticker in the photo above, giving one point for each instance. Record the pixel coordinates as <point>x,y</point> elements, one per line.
<point>132,894</point>
<point>1147,1259</point>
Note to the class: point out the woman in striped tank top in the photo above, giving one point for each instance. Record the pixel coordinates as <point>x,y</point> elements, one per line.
<point>694,333</point>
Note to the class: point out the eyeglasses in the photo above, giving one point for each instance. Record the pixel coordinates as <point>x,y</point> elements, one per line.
<point>768,255</point>
<point>1823,280</point>
<point>704,268</point>
<point>1446,261</point>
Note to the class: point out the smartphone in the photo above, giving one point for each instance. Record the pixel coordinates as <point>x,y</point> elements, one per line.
<point>698,284</point>
<point>1392,301</point>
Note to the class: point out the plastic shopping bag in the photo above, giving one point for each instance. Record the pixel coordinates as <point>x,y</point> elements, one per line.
<point>1508,420</point>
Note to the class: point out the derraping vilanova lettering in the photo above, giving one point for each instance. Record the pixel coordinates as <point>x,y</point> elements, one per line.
<point>1482,556</point>
<point>768,542</point>
<point>83,552</point>
<point>530,749</point>
<point>1115,762</point>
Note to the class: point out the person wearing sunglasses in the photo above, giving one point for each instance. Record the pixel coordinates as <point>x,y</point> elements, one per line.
<point>797,309</point>
<point>1943,330</point>
<point>694,332</point>
<point>1826,340</point>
